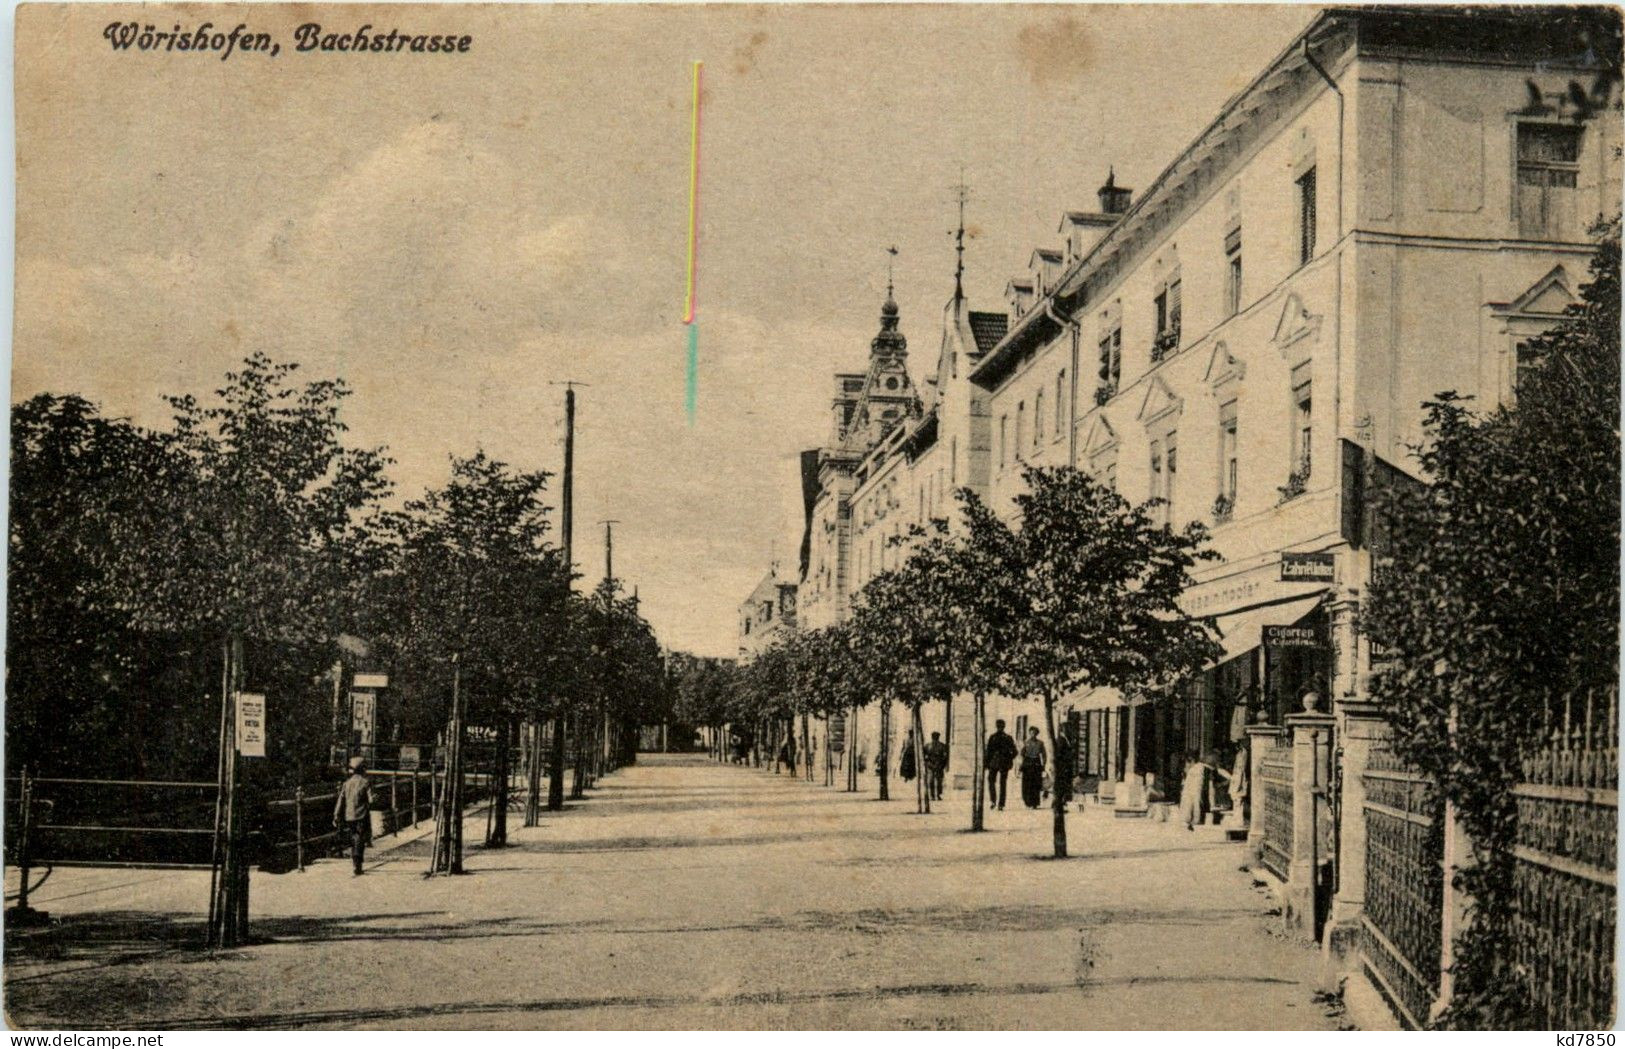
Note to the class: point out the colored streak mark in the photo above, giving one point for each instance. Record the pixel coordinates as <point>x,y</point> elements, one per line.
<point>693,385</point>
<point>693,370</point>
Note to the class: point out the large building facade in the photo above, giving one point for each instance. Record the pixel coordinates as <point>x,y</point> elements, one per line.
<point>1388,211</point>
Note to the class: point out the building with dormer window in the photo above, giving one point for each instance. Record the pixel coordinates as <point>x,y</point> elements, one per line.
<point>1393,207</point>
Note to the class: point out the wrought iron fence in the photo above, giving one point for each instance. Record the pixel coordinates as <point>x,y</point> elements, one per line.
<point>1275,776</point>
<point>1401,934</point>
<point>1564,872</point>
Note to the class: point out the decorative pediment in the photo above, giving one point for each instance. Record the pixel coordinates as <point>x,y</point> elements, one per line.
<point>1296,323</point>
<point>1099,437</point>
<point>1159,401</point>
<point>1222,367</point>
<point>1549,296</point>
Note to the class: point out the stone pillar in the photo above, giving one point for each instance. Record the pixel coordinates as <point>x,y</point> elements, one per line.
<point>1129,798</point>
<point>1260,738</point>
<point>1360,727</point>
<point>1311,766</point>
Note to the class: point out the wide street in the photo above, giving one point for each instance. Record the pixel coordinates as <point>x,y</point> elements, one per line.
<point>686,894</point>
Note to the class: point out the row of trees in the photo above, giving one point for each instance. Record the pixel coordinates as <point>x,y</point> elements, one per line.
<point>1081,592</point>
<point>249,544</point>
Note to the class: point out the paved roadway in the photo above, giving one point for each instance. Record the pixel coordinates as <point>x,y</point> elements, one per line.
<point>684,894</point>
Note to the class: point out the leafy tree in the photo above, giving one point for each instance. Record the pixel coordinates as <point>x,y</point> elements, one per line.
<point>1499,600</point>
<point>1092,587</point>
<point>464,609</point>
<point>909,613</point>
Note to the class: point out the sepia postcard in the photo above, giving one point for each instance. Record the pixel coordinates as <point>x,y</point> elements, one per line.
<point>813,517</point>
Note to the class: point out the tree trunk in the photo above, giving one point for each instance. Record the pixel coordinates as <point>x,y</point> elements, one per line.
<point>1056,795</point>
<point>978,788</point>
<point>533,774</point>
<point>555,779</point>
<point>852,750</point>
<point>499,804</point>
<point>922,791</point>
<point>883,755</point>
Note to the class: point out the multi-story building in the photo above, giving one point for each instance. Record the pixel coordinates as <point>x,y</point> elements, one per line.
<point>1388,210</point>
<point>898,454</point>
<point>768,615</point>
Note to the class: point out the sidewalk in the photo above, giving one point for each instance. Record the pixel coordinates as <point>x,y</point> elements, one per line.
<point>683,894</point>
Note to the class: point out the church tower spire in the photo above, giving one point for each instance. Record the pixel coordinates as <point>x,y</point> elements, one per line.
<point>889,344</point>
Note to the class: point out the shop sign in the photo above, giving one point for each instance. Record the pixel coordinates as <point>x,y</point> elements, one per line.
<point>1307,568</point>
<point>371,681</point>
<point>1293,637</point>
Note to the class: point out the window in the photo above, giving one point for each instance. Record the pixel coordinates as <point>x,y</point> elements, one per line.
<point>1103,466</point>
<point>1004,425</point>
<point>1060,403</point>
<point>1038,417</point>
<point>1526,361</point>
<point>1302,421</point>
<point>1167,305</point>
<point>1111,362</point>
<point>1228,462</point>
<point>1548,166</point>
<point>953,461</point>
<point>1158,478</point>
<point>1170,470</point>
<point>1021,427</point>
<point>1232,270</point>
<point>1306,216</point>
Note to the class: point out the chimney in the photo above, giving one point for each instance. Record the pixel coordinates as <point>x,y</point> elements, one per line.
<point>1114,199</point>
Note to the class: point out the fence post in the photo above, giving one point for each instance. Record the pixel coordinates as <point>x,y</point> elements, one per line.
<point>22,913</point>
<point>1311,767</point>
<point>394,805</point>
<point>1458,856</point>
<point>414,798</point>
<point>299,826</point>
<point>1362,727</point>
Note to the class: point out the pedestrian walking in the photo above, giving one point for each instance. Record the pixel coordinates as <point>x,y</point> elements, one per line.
<point>998,757</point>
<point>936,764</point>
<point>1032,770</point>
<point>787,752</point>
<point>352,811</point>
<point>906,768</point>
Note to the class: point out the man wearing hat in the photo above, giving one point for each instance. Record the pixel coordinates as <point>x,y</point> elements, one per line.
<point>352,810</point>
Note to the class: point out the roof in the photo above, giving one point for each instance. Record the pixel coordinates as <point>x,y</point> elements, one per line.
<point>1556,36</point>
<point>1087,218</point>
<point>988,329</point>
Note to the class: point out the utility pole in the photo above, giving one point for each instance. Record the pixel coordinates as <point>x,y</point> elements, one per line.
<point>555,786</point>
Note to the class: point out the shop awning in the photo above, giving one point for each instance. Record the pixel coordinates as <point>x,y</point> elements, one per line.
<point>1104,698</point>
<point>1244,631</point>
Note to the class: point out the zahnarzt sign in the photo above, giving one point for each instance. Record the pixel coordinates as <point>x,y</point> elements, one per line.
<point>1307,568</point>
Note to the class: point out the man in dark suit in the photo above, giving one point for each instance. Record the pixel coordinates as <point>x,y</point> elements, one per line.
<point>999,756</point>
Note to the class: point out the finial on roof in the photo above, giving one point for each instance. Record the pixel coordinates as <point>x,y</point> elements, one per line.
<point>962,193</point>
<point>890,307</point>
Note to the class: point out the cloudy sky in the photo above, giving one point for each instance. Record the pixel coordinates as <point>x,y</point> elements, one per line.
<point>453,235</point>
